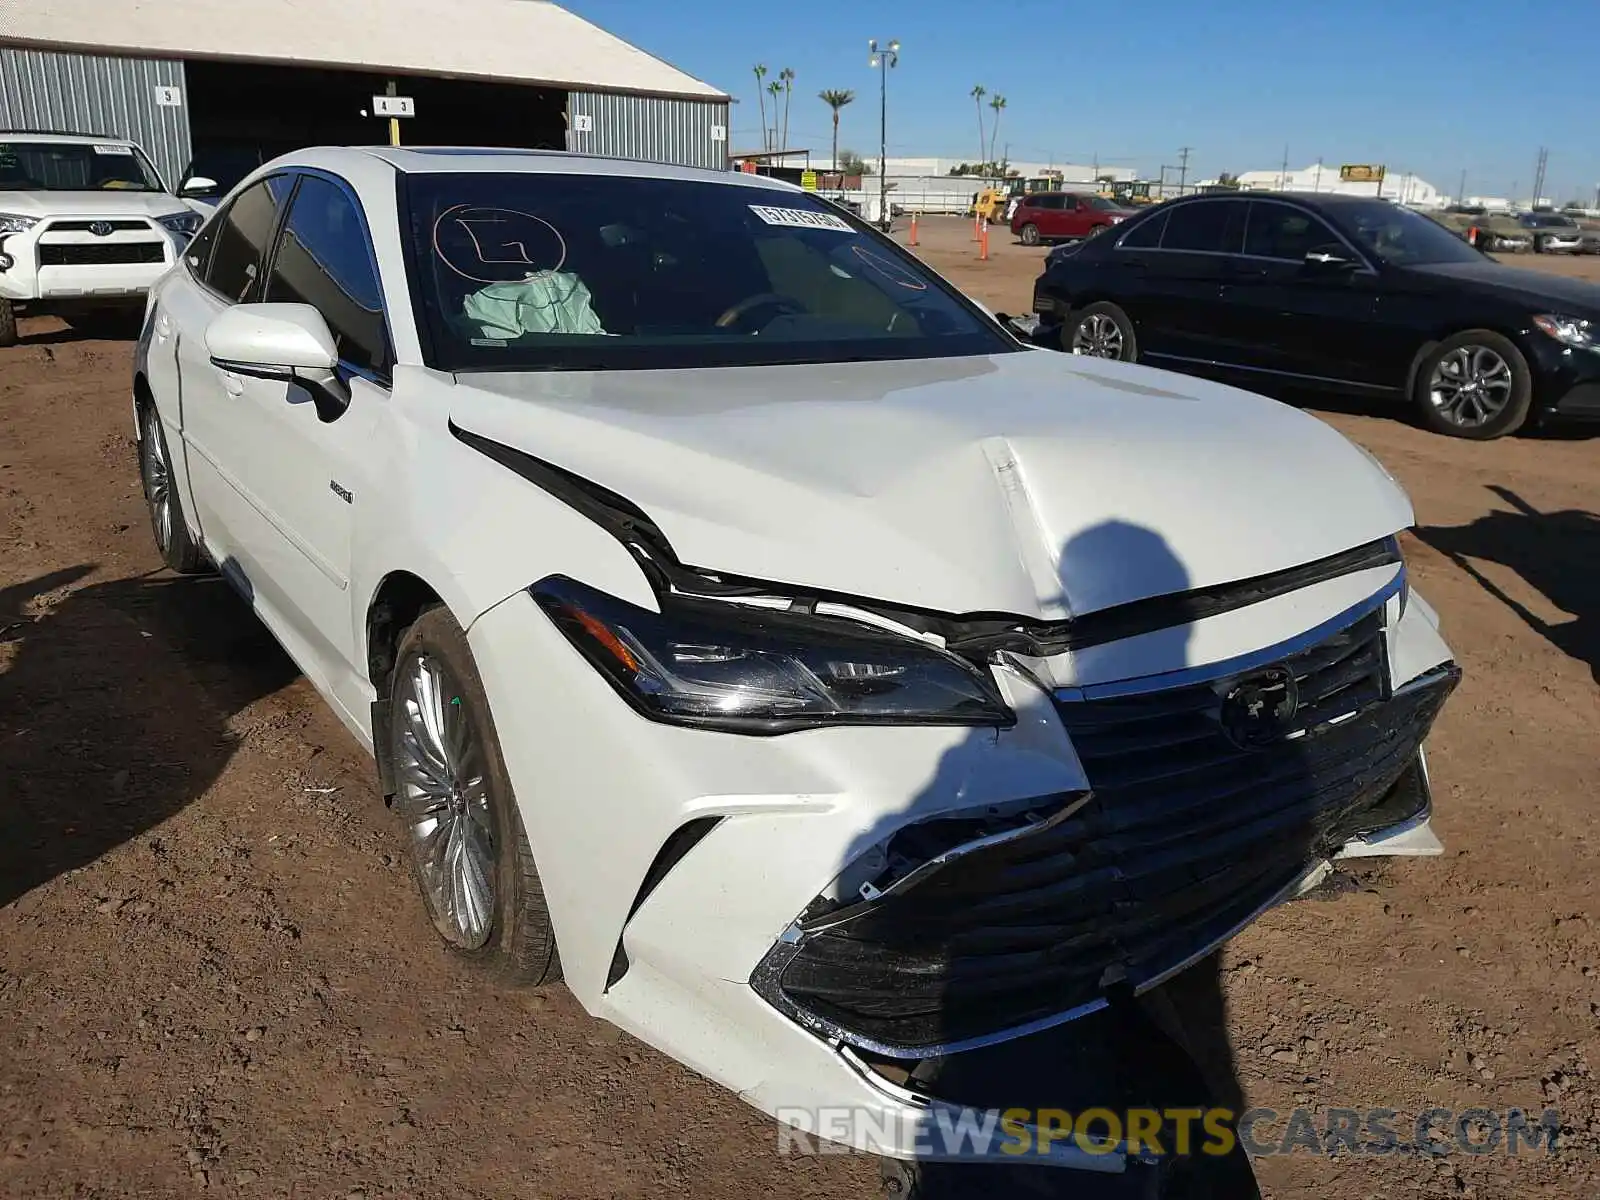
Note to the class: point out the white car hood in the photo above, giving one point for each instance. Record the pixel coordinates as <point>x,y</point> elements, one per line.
<point>1029,483</point>
<point>100,202</point>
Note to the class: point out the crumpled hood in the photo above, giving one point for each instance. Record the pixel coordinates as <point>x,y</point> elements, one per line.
<point>100,202</point>
<point>1030,483</point>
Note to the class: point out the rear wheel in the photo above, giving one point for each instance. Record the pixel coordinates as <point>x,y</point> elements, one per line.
<point>1475,385</point>
<point>8,323</point>
<point>468,851</point>
<point>1029,234</point>
<point>1101,330</point>
<point>167,523</point>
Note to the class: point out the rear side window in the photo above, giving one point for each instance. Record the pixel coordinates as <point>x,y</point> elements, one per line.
<point>243,234</point>
<point>1281,231</point>
<point>323,260</point>
<point>1215,227</point>
<point>1046,202</point>
<point>1146,235</point>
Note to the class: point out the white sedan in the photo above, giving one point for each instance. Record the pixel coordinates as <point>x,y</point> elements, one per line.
<point>734,605</point>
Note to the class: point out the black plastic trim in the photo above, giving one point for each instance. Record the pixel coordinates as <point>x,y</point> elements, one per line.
<point>673,851</point>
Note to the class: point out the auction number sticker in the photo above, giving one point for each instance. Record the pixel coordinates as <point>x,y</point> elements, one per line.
<point>801,218</point>
<point>107,148</point>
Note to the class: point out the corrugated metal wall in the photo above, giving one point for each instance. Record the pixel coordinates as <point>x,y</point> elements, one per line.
<point>691,133</point>
<point>83,93</point>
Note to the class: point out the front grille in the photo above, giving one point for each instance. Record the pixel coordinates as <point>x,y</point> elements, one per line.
<point>89,226</point>
<point>1187,836</point>
<point>87,254</point>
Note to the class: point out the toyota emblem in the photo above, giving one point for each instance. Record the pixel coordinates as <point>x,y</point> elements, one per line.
<point>100,228</point>
<point>1259,709</point>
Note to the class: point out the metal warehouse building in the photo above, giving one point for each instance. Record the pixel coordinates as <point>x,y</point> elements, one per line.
<point>215,87</point>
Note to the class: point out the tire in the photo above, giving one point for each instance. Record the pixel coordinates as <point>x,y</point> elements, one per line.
<point>8,322</point>
<point>1102,325</point>
<point>1538,245</point>
<point>506,933</point>
<point>1498,405</point>
<point>1029,234</point>
<point>167,522</point>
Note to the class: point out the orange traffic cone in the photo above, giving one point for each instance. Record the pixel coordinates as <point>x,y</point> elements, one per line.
<point>912,241</point>
<point>983,243</point>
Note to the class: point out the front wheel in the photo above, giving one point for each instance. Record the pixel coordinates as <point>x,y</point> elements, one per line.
<point>8,322</point>
<point>468,851</point>
<point>1101,330</point>
<point>1474,385</point>
<point>1029,235</point>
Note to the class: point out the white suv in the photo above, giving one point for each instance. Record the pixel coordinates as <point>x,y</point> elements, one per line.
<point>86,225</point>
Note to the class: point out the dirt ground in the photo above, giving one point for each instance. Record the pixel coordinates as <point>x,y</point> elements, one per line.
<point>214,974</point>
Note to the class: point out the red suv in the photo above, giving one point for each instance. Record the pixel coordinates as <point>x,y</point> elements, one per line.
<point>1064,216</point>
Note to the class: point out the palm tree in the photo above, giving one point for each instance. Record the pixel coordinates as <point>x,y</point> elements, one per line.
<point>998,104</point>
<point>787,76</point>
<point>836,99</point>
<point>775,89</point>
<point>761,98</point>
<point>978,93</point>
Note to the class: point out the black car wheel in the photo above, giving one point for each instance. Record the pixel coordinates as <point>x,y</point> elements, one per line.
<point>1475,385</point>
<point>1101,330</point>
<point>8,323</point>
<point>1029,235</point>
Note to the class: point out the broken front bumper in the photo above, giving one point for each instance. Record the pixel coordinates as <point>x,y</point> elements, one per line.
<point>689,872</point>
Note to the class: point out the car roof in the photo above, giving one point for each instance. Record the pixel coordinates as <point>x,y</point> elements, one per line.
<point>426,160</point>
<point>82,139</point>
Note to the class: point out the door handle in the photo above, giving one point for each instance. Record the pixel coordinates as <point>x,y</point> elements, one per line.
<point>163,327</point>
<point>231,383</point>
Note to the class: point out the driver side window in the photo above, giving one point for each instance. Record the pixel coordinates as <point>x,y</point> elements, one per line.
<point>242,235</point>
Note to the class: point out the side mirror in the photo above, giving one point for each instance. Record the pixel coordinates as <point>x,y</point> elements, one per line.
<point>289,343</point>
<point>198,185</point>
<point>1331,257</point>
<point>272,341</point>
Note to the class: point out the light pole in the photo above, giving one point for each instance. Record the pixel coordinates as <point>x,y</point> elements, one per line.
<point>883,58</point>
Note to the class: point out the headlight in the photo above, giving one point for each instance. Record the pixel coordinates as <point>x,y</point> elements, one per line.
<point>766,671</point>
<point>1574,331</point>
<point>186,224</point>
<point>10,223</point>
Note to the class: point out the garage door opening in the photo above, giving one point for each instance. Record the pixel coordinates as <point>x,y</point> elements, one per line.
<point>244,114</point>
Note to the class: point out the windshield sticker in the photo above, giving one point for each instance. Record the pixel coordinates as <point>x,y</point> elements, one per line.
<point>108,148</point>
<point>801,218</point>
<point>497,245</point>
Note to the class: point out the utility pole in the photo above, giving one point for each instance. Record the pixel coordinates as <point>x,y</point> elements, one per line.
<point>1316,184</point>
<point>883,59</point>
<point>1538,175</point>
<point>1283,172</point>
<point>1461,188</point>
<point>394,124</point>
<point>1183,167</point>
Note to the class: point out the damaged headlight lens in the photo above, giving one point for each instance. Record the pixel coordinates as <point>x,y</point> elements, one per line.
<point>760,670</point>
<point>1574,331</point>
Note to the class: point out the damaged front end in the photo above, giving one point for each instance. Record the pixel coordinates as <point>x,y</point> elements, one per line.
<point>1212,799</point>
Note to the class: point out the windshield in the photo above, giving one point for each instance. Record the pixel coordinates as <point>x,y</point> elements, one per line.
<point>1104,205</point>
<point>606,272</point>
<point>1547,221</point>
<point>75,167</point>
<point>1402,237</point>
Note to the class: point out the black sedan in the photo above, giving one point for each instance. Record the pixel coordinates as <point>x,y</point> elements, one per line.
<point>1340,292</point>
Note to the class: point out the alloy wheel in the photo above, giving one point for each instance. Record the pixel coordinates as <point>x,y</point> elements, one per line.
<point>157,480</point>
<point>1470,386</point>
<point>1097,336</point>
<point>443,797</point>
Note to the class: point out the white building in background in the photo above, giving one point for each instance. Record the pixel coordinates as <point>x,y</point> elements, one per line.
<point>1320,177</point>
<point>1071,173</point>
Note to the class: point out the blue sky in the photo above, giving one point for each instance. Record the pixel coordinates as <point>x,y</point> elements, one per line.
<point>1420,85</point>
